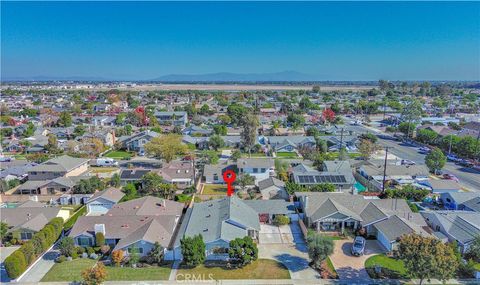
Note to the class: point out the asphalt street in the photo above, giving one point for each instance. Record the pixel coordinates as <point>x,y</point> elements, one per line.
<point>469,178</point>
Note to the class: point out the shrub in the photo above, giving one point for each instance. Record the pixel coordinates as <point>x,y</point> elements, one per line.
<point>61,258</point>
<point>74,255</point>
<point>96,249</point>
<point>117,257</point>
<point>281,220</point>
<point>95,275</point>
<point>90,250</point>
<point>80,249</point>
<point>15,264</point>
<point>99,239</point>
<point>67,247</point>
<point>28,251</point>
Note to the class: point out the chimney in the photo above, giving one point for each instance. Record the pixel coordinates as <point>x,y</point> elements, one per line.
<point>305,202</point>
<point>99,228</point>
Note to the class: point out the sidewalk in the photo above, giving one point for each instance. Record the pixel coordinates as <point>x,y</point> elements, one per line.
<point>36,271</point>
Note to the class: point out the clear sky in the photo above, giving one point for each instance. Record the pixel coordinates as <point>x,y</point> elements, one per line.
<point>331,40</point>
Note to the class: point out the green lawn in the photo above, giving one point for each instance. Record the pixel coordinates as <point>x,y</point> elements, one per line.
<point>287,154</point>
<point>119,154</point>
<point>214,189</point>
<point>103,169</point>
<point>330,266</point>
<point>70,222</point>
<point>132,274</point>
<point>394,268</point>
<point>68,270</point>
<point>259,269</point>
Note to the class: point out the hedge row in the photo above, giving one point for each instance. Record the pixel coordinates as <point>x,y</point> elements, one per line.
<point>19,260</point>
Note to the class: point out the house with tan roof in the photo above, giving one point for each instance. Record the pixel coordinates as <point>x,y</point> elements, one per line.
<point>179,173</point>
<point>103,201</point>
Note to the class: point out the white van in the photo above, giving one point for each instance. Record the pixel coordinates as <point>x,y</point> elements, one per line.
<point>106,162</point>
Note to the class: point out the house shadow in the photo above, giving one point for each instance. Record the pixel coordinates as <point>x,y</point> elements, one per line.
<point>293,263</point>
<point>50,255</point>
<point>352,273</point>
<point>301,246</point>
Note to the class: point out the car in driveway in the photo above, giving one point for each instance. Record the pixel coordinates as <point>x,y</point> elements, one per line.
<point>358,246</point>
<point>407,162</point>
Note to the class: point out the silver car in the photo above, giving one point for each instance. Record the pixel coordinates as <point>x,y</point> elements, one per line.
<point>358,246</point>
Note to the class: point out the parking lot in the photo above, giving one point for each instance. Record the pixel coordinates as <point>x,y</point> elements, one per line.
<point>288,234</point>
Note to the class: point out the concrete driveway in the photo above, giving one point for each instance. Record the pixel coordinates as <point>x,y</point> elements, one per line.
<point>288,234</point>
<point>4,253</point>
<point>353,267</point>
<point>293,256</point>
<point>39,269</point>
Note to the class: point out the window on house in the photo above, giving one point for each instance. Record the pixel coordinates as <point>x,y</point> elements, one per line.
<point>263,170</point>
<point>83,241</point>
<point>255,170</point>
<point>138,249</point>
<point>215,177</point>
<point>25,236</point>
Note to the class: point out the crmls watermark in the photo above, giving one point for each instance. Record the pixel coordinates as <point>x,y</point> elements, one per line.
<point>194,277</point>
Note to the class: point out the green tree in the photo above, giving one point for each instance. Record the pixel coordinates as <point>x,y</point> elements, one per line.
<point>79,131</point>
<point>407,128</point>
<point>65,119</point>
<point>319,248</point>
<point>167,147</point>
<point>292,187</point>
<point>435,160</point>
<point>427,257</point>
<point>95,275</point>
<point>216,142</point>
<point>67,246</point>
<point>99,239</point>
<point>193,250</point>
<point>236,154</point>
<point>3,231</point>
<point>426,136</point>
<point>156,254</point>
<point>474,250</point>
<point>115,180</point>
<point>322,187</point>
<point>15,264</point>
<point>220,130</point>
<point>367,148</point>
<point>151,183</point>
<point>245,180</point>
<point>243,250</point>
<point>249,132</point>
<point>130,191</point>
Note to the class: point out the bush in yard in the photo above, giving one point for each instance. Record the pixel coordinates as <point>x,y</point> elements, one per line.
<point>28,251</point>
<point>474,250</point>
<point>39,243</point>
<point>319,248</point>
<point>117,257</point>
<point>281,220</point>
<point>74,255</point>
<point>80,250</point>
<point>15,264</point>
<point>95,275</point>
<point>156,254</point>
<point>104,249</point>
<point>61,258</point>
<point>90,250</point>
<point>193,250</point>
<point>67,246</point>
<point>99,239</point>
<point>244,250</point>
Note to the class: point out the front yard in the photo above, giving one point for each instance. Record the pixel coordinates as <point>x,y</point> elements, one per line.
<point>287,155</point>
<point>72,271</point>
<point>390,267</point>
<point>259,269</point>
<point>120,154</point>
<point>94,169</point>
<point>214,189</point>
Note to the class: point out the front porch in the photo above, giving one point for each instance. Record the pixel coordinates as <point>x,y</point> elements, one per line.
<point>335,225</point>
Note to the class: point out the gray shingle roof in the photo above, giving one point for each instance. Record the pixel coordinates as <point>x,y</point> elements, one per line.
<point>109,194</point>
<point>27,216</point>
<point>271,181</point>
<point>226,218</point>
<point>61,163</point>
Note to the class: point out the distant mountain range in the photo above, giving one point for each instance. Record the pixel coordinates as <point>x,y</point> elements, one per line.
<point>237,77</point>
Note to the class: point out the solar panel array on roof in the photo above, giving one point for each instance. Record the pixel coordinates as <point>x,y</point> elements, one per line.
<point>312,179</point>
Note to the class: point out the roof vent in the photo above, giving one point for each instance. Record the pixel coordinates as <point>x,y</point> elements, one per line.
<point>205,230</point>
<point>208,216</point>
<point>125,226</point>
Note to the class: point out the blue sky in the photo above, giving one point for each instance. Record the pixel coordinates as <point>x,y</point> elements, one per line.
<point>331,40</point>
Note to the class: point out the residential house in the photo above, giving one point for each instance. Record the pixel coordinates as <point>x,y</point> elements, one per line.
<point>338,173</point>
<point>259,168</point>
<point>179,173</point>
<point>395,174</point>
<point>29,217</point>
<point>272,188</point>
<point>102,201</point>
<point>213,173</point>
<point>62,166</point>
<point>136,224</point>
<point>196,131</point>
<point>200,143</point>
<point>466,201</point>
<point>441,186</point>
<point>138,141</point>
<point>172,118</point>
<point>57,186</point>
<point>460,226</point>
<point>384,219</point>
<point>132,175</point>
<point>290,143</point>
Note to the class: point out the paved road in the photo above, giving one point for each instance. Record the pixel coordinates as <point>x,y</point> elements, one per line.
<point>469,178</point>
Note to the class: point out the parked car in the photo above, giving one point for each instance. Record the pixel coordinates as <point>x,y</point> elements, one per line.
<point>424,149</point>
<point>408,162</point>
<point>5,159</point>
<point>358,246</point>
<point>450,177</point>
<point>106,162</point>
<point>452,157</point>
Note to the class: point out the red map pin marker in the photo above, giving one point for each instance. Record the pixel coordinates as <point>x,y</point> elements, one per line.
<point>229,178</point>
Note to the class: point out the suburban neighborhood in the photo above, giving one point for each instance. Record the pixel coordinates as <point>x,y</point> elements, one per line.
<point>232,142</point>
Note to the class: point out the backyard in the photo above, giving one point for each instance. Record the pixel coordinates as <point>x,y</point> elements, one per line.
<point>214,189</point>
<point>259,269</point>
<point>72,271</point>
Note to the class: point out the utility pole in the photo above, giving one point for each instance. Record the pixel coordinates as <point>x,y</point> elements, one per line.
<point>341,139</point>
<point>385,169</point>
